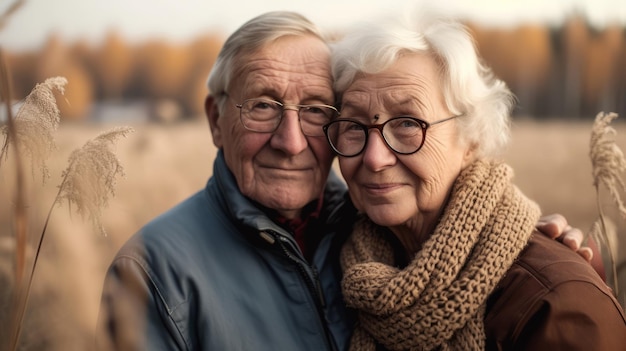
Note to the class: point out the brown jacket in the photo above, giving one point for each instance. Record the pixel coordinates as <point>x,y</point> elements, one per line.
<point>551,299</point>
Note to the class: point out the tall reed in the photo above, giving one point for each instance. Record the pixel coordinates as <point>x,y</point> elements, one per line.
<point>608,164</point>
<point>87,182</point>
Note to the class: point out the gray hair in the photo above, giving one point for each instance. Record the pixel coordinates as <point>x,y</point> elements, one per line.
<point>252,36</point>
<point>469,87</point>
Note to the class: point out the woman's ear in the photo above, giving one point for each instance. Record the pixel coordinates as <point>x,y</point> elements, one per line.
<point>211,108</point>
<point>470,154</point>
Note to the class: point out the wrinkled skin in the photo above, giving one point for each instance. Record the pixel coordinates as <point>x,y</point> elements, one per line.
<point>283,170</point>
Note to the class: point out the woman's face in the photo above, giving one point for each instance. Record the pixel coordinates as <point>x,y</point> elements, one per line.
<point>403,190</point>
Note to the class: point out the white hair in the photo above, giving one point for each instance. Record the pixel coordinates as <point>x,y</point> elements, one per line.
<point>252,36</point>
<point>469,87</point>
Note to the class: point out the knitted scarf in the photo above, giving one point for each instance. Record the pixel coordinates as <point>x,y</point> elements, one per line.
<point>438,300</point>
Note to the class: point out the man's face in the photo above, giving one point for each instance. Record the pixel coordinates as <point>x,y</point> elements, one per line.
<point>283,170</point>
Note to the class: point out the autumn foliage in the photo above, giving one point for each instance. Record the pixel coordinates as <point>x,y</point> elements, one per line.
<point>573,70</point>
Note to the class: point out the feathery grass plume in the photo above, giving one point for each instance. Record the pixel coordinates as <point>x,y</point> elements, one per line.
<point>90,178</point>
<point>88,181</point>
<point>608,164</point>
<point>35,123</point>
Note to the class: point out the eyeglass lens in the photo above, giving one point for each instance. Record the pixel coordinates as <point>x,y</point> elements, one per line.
<point>404,135</point>
<point>265,115</point>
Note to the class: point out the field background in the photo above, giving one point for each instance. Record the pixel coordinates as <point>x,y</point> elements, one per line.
<point>166,163</point>
<point>562,74</point>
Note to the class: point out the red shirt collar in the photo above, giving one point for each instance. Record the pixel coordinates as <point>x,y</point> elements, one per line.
<point>298,225</point>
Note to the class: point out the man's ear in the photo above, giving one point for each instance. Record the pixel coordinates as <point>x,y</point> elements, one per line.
<point>213,114</point>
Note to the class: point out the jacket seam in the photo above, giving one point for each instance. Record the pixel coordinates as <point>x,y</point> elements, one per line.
<point>145,268</point>
<point>547,290</point>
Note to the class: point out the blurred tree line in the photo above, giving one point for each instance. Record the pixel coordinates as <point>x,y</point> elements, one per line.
<point>156,71</point>
<point>571,71</point>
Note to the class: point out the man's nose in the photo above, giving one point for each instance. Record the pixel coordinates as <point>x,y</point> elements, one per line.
<point>288,136</point>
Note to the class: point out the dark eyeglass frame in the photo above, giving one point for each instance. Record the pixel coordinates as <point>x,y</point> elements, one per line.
<point>295,107</point>
<point>366,128</point>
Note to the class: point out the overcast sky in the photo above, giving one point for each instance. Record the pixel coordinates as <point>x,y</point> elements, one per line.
<point>184,19</point>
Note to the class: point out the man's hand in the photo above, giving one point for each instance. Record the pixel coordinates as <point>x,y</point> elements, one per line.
<point>555,226</point>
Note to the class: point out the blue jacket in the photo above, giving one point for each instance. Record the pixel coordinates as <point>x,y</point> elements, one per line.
<point>215,273</point>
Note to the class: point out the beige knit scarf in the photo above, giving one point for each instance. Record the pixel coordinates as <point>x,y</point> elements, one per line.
<point>438,300</point>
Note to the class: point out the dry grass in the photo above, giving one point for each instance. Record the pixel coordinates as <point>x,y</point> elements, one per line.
<point>29,133</point>
<point>553,167</point>
<point>165,164</point>
<point>35,124</point>
<point>90,178</point>
<point>608,166</point>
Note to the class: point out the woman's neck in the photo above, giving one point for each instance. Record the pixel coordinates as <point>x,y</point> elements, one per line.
<point>413,237</point>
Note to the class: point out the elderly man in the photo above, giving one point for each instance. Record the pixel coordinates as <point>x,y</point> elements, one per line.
<point>251,261</point>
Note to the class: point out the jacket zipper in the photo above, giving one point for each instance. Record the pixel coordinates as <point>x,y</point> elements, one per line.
<point>312,283</point>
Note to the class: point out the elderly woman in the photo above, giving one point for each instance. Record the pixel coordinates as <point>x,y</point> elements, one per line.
<point>444,256</point>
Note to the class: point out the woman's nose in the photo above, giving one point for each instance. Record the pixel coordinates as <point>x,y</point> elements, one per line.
<point>377,155</point>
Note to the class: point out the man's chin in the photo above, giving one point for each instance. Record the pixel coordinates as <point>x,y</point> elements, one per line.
<point>288,205</point>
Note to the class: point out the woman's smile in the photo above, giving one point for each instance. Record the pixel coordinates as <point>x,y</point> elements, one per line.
<point>381,188</point>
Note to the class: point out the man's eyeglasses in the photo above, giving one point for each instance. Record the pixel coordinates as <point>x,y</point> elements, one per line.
<point>264,116</point>
<point>403,135</point>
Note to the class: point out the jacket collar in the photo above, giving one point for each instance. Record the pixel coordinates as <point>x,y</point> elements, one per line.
<point>251,214</point>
